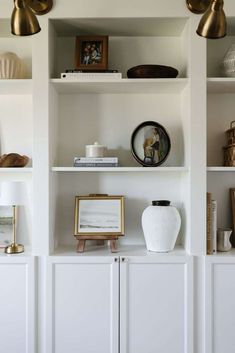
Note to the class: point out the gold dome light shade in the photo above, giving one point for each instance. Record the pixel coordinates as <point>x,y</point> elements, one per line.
<point>198,6</point>
<point>40,7</point>
<point>23,20</point>
<point>213,23</point>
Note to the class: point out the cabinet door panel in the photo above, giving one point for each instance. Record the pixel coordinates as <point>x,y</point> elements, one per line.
<point>220,306</point>
<point>85,307</point>
<point>17,321</point>
<point>154,308</point>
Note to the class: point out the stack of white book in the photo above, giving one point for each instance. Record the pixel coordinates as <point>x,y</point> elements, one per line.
<point>80,75</point>
<point>95,162</point>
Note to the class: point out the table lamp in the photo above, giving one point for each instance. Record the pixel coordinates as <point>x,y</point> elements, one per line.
<point>13,194</point>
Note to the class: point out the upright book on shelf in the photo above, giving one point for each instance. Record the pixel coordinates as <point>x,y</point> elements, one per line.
<point>211,231</point>
<point>209,241</point>
<point>214,224</point>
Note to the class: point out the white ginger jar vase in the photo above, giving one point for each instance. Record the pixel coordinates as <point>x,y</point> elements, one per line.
<point>161,224</point>
<point>228,63</point>
<point>11,66</point>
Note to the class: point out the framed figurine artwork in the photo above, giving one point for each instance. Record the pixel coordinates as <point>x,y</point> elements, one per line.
<point>150,144</point>
<point>98,217</point>
<point>91,53</point>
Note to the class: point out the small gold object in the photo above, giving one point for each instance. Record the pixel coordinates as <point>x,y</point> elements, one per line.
<point>23,20</point>
<point>14,248</point>
<point>213,23</point>
<point>198,6</point>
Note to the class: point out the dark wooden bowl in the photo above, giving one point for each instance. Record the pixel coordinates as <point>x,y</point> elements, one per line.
<point>152,71</point>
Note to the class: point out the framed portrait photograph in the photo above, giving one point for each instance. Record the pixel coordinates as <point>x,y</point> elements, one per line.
<point>6,226</point>
<point>99,215</point>
<point>150,144</point>
<point>91,53</point>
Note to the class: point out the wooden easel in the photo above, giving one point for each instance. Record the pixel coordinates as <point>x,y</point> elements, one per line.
<point>100,241</point>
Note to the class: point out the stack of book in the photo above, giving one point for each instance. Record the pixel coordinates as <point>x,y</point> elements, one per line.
<point>211,229</point>
<point>84,74</point>
<point>95,162</point>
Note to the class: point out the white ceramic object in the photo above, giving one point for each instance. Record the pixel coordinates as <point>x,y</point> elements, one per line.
<point>96,150</point>
<point>161,225</point>
<point>223,239</point>
<point>229,62</point>
<point>11,66</point>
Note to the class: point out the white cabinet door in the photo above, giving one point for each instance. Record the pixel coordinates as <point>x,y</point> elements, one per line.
<point>17,309</point>
<point>220,304</point>
<point>83,299</point>
<point>156,304</point>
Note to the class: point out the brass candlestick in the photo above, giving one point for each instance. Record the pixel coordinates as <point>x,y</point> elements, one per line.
<point>14,248</point>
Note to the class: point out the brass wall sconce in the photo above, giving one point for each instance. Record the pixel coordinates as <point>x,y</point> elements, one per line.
<point>23,20</point>
<point>213,23</point>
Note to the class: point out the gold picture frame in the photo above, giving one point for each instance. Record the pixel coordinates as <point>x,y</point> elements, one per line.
<point>98,217</point>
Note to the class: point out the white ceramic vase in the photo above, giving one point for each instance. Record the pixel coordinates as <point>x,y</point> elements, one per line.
<point>11,66</point>
<point>229,62</point>
<point>223,239</point>
<point>161,224</point>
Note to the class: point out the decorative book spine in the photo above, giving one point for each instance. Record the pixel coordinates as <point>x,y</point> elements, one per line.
<point>209,241</point>
<point>214,224</point>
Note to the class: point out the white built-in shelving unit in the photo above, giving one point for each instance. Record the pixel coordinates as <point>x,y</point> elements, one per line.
<point>52,119</point>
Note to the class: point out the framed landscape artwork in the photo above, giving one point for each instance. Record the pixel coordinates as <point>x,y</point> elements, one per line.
<point>99,215</point>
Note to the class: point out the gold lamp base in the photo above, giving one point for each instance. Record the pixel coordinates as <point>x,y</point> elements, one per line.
<point>198,6</point>
<point>40,7</point>
<point>14,249</point>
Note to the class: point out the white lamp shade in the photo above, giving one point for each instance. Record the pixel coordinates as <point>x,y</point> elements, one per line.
<point>13,193</point>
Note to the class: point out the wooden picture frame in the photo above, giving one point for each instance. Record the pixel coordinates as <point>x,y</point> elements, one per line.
<point>98,217</point>
<point>91,53</point>
<point>232,197</point>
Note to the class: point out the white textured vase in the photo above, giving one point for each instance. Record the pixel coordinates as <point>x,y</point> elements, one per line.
<point>11,66</point>
<point>161,224</point>
<point>229,62</point>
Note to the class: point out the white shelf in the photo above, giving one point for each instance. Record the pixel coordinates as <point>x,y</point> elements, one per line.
<point>17,87</point>
<point>174,85</point>
<point>121,169</point>
<point>221,169</point>
<point>123,250</point>
<point>16,170</point>
<point>221,85</point>
<point>227,254</point>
